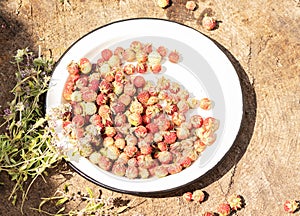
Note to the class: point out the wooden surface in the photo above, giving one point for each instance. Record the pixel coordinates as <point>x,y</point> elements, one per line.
<point>261,38</point>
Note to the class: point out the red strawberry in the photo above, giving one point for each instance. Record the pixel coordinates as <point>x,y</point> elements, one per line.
<point>170,137</point>
<point>224,209</point>
<point>235,201</point>
<point>186,162</point>
<point>174,56</point>
<point>143,97</point>
<point>188,196</point>
<point>291,206</point>
<point>209,23</point>
<point>141,67</point>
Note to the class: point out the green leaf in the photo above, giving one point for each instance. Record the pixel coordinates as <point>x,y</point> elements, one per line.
<point>90,192</point>
<point>62,201</point>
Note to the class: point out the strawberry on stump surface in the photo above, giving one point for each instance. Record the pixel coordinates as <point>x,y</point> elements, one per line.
<point>163,3</point>
<point>188,196</point>
<point>190,5</point>
<point>291,206</point>
<point>198,196</point>
<point>224,209</point>
<point>235,201</point>
<point>209,23</point>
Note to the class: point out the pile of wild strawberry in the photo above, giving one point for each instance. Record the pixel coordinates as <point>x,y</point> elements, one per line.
<point>130,126</point>
<point>234,203</point>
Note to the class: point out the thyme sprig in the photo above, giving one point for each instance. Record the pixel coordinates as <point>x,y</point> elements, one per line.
<point>25,146</point>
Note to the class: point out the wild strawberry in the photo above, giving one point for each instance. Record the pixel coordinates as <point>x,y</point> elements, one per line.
<point>129,55</point>
<point>163,123</point>
<point>146,149</point>
<point>160,171</point>
<point>132,172</point>
<point>291,206</point>
<point>78,120</point>
<point>198,196</point>
<point>174,56</point>
<point>125,99</point>
<point>170,137</point>
<point>178,118</point>
<point>117,107</point>
<point>165,157</point>
<point>82,82</point>
<point>110,131</point>
<point>104,163</point>
<point>190,5</point>
<point>132,162</point>
<point>162,51</point>
<point>155,68</point>
<point>119,169</point>
<point>85,65</point>
<point>224,209</point>
<point>209,23</point>
<point>182,133</point>
<point>108,141</point>
<point>109,76</point>
<point>185,162</point>
<point>205,104</point>
<point>141,56</point>
<point>153,91</point>
<point>136,45</point>
<point>162,146</point>
<point>119,75</point>
<point>140,131</point>
<point>120,143</point>
<point>143,97</point>
<point>152,128</point>
<point>139,82</point>
<point>114,61</point>
<point>148,48</point>
<point>101,99</point>
<point>105,87</point>
<point>146,119</point>
<point>100,61</point>
<point>129,89</point>
<point>129,69</point>
<point>235,201</point>
<point>174,168</point>
<point>154,58</point>
<point>187,196</point>
<point>171,108</point>
<point>135,119</point>
<point>130,150</point>
<point>117,87</point>
<point>119,51</point>
<point>88,95</point>
<point>141,67</point>
<point>163,3</point>
<point>210,123</point>
<point>131,140</point>
<point>199,146</point>
<point>106,54</point>
<point>73,68</point>
<point>193,103</point>
<point>152,100</point>
<point>196,121</point>
<point>94,85</point>
<point>136,107</point>
<point>183,106</point>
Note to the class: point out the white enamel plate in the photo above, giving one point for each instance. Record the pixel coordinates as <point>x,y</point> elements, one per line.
<point>204,70</point>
